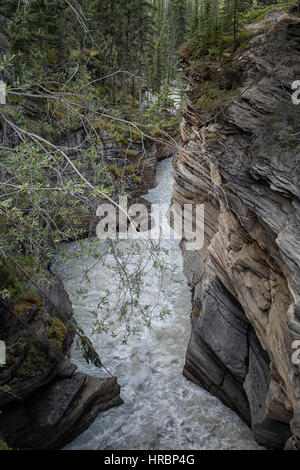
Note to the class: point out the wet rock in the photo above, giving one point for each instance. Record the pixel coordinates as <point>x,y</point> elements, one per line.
<point>55,415</point>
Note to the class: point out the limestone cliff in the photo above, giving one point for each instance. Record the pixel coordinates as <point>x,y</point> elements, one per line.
<point>240,157</point>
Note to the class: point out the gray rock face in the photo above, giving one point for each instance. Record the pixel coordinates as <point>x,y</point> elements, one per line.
<point>55,415</point>
<point>44,402</point>
<point>222,360</point>
<point>241,159</point>
<point>142,156</point>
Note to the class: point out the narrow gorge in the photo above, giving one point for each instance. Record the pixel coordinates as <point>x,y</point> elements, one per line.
<point>115,335</point>
<point>162,409</point>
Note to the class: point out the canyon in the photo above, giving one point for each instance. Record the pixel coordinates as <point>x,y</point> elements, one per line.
<point>238,154</point>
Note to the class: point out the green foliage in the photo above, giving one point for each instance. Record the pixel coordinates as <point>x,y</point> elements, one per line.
<point>219,26</point>
<point>158,118</point>
<point>12,285</point>
<point>42,205</point>
<point>213,97</point>
<point>76,72</point>
<point>57,332</point>
<point>3,445</point>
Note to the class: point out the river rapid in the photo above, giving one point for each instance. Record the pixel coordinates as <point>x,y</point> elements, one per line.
<point>162,410</point>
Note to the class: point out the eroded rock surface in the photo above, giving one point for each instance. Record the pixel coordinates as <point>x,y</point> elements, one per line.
<point>241,159</point>
<point>45,403</point>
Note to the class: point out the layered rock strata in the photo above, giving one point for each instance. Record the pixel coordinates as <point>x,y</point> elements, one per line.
<point>240,158</point>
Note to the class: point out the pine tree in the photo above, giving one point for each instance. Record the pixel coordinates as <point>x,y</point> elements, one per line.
<point>176,13</point>
<point>232,17</point>
<point>194,21</point>
<point>160,51</point>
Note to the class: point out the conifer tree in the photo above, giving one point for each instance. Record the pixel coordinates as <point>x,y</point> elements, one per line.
<point>194,21</point>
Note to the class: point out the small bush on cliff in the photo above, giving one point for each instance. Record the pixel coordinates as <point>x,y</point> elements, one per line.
<point>212,97</point>
<point>3,445</point>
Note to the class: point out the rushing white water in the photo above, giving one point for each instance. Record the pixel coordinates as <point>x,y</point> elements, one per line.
<point>162,409</point>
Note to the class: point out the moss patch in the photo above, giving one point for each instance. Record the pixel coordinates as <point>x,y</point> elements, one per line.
<point>257,14</point>
<point>121,138</point>
<point>128,153</point>
<point>36,360</point>
<point>129,170</point>
<point>57,332</point>
<point>155,132</point>
<point>196,48</point>
<point>207,102</point>
<point>28,301</point>
<point>212,96</point>
<point>117,172</point>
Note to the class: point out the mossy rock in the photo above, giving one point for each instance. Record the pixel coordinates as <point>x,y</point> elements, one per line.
<point>57,332</point>
<point>129,170</point>
<point>117,172</point>
<point>196,311</point>
<point>128,153</point>
<point>36,360</point>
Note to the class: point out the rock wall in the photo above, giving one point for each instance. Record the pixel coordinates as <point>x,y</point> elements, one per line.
<point>120,153</point>
<point>241,159</point>
<point>45,403</point>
